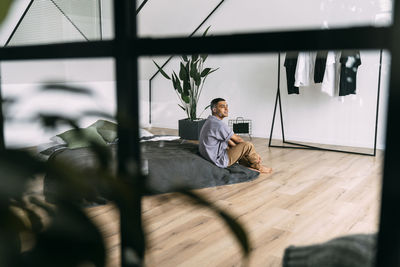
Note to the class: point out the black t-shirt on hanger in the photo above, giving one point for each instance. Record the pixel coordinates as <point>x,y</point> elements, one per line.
<point>320,65</point>
<point>350,61</point>
<point>290,64</point>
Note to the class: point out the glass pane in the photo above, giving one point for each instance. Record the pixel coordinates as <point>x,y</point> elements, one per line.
<point>181,17</point>
<point>82,90</point>
<point>57,21</point>
<point>26,81</point>
<point>311,196</point>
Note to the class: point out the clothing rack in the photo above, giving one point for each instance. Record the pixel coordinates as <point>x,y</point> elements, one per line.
<point>304,146</point>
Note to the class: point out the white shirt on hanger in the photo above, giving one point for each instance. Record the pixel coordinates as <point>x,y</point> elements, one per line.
<point>304,69</point>
<point>330,82</point>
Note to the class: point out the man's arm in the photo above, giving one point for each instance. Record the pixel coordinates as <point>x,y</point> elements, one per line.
<point>236,139</point>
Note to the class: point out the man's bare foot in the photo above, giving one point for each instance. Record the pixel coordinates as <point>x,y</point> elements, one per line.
<point>264,169</point>
<point>253,169</point>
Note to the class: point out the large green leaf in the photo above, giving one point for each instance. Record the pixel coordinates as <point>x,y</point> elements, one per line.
<point>50,210</point>
<point>180,89</point>
<point>204,110</point>
<point>205,32</point>
<point>17,169</point>
<point>178,83</point>
<point>185,58</point>
<point>100,114</point>
<point>195,57</point>
<point>35,220</point>
<point>197,79</point>
<point>4,6</point>
<point>182,107</point>
<point>52,121</point>
<point>237,230</point>
<point>70,227</point>
<point>186,99</point>
<point>193,70</point>
<point>195,74</point>
<point>183,75</point>
<point>187,67</point>
<point>207,107</point>
<point>186,88</point>
<point>162,71</point>
<point>67,88</point>
<point>205,72</point>
<point>204,57</point>
<point>174,80</point>
<point>11,225</point>
<point>211,71</point>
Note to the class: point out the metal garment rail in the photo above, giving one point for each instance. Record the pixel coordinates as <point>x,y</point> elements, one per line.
<point>169,59</point>
<point>303,146</point>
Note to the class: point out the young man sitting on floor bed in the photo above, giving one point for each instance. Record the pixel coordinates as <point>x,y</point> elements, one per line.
<point>218,143</point>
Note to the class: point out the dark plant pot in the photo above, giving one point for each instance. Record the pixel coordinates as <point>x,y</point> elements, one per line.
<point>190,130</point>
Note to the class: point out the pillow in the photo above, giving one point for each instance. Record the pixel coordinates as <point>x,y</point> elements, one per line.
<point>108,135</point>
<point>81,138</point>
<point>103,124</point>
<point>106,129</point>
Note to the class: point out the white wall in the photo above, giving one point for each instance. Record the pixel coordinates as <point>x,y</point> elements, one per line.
<point>249,82</point>
<point>180,17</point>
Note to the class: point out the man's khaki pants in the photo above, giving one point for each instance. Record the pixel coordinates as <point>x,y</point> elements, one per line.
<point>245,153</point>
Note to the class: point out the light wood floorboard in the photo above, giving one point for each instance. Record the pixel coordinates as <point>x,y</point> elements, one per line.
<point>312,196</point>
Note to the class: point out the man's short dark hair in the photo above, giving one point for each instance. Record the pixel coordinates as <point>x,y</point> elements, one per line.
<point>214,103</point>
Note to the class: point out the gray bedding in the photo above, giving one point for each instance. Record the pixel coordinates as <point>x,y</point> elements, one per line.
<point>171,165</point>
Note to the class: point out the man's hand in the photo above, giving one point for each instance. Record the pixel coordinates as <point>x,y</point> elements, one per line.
<point>236,139</point>
<point>231,143</point>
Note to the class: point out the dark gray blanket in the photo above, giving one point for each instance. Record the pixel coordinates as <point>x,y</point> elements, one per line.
<point>171,165</point>
<point>346,251</point>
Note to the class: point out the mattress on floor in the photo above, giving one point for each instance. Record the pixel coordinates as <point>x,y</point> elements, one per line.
<point>171,165</point>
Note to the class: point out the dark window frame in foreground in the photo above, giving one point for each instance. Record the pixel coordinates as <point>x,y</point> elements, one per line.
<point>126,48</point>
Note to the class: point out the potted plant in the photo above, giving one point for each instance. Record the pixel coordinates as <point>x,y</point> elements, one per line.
<point>188,86</point>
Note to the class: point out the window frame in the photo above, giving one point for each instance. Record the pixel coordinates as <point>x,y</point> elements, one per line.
<point>126,48</point>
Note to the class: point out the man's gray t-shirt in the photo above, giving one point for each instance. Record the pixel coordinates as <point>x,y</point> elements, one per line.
<point>213,141</point>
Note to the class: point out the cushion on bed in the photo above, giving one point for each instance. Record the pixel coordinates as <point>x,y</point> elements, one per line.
<point>108,135</point>
<point>76,138</point>
<point>107,129</point>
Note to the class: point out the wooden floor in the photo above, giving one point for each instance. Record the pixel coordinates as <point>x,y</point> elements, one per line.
<point>311,196</point>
